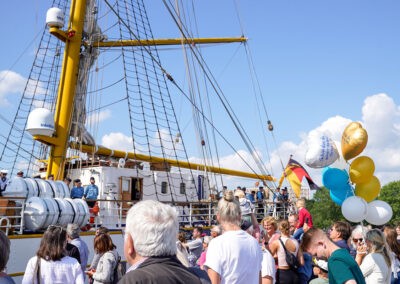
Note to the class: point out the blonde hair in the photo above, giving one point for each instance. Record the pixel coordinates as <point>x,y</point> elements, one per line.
<point>229,209</point>
<point>301,203</point>
<point>239,193</point>
<point>378,244</point>
<point>270,221</point>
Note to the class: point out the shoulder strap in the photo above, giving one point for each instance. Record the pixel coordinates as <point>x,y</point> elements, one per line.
<point>37,269</point>
<point>286,251</point>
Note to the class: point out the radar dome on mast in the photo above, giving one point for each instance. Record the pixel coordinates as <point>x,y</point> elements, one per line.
<point>55,18</point>
<point>40,122</point>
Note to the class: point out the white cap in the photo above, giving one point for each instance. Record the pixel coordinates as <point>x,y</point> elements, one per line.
<point>4,171</point>
<point>323,264</point>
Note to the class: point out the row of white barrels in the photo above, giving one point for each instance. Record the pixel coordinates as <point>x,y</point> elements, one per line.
<point>47,203</point>
<point>28,187</point>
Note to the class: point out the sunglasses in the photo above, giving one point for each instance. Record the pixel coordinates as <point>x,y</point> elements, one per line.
<point>358,240</point>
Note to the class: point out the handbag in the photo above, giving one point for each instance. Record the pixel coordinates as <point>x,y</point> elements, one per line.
<point>290,258</point>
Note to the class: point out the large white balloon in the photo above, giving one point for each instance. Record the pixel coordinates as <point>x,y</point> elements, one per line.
<point>355,209</point>
<point>379,212</point>
<point>321,151</point>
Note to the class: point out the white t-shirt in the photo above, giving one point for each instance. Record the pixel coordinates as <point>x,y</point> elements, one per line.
<point>236,257</point>
<point>268,267</point>
<point>375,269</point>
<point>66,271</point>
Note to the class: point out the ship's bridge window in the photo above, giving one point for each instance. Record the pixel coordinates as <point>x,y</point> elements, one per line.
<point>182,188</point>
<point>164,187</point>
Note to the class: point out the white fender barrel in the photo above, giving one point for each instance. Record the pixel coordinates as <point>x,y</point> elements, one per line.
<point>32,187</point>
<point>17,187</point>
<point>67,212</point>
<point>62,189</point>
<point>40,213</point>
<point>82,211</point>
<point>45,189</point>
<point>56,190</point>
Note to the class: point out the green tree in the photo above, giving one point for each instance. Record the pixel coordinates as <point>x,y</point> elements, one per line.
<point>323,210</point>
<point>390,194</point>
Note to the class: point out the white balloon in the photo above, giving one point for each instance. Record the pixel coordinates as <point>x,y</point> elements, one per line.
<point>354,209</point>
<point>321,152</point>
<point>379,212</point>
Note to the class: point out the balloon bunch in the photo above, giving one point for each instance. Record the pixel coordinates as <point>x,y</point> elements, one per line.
<point>357,204</point>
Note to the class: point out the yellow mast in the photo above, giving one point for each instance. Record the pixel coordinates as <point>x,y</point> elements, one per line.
<point>66,94</point>
<point>66,89</point>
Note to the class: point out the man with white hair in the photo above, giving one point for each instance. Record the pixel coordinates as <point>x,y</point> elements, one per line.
<point>73,231</point>
<point>150,246</point>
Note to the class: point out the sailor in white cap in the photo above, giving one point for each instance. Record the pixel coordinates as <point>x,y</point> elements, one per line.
<point>3,181</point>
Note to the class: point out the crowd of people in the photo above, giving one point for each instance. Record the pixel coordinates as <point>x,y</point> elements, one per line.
<point>237,250</point>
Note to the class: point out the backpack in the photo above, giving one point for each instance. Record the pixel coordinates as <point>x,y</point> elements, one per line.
<point>119,270</point>
<point>290,258</point>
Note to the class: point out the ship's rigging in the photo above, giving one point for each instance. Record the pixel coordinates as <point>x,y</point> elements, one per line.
<point>147,99</point>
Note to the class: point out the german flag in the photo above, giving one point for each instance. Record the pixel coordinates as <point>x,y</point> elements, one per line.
<point>294,173</point>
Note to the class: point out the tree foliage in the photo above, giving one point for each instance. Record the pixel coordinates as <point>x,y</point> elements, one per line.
<point>390,194</point>
<point>323,210</point>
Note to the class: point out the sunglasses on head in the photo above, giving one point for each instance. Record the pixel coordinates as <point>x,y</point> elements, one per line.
<point>358,240</point>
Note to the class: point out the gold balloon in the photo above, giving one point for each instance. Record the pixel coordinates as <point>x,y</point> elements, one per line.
<point>361,169</point>
<point>369,190</point>
<point>354,140</point>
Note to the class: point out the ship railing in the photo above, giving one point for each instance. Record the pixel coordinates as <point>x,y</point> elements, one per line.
<point>112,213</point>
<point>12,214</point>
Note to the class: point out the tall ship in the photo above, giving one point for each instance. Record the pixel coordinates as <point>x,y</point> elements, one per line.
<point>105,99</point>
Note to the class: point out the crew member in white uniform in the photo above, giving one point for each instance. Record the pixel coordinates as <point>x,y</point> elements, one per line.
<point>3,181</point>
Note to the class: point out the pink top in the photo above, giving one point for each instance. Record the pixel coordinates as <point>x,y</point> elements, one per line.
<point>202,258</point>
<point>303,216</point>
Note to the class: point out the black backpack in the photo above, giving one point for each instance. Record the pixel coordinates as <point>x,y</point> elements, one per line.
<point>291,259</point>
<point>119,270</point>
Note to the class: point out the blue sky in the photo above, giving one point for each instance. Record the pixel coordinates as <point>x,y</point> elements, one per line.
<point>320,65</point>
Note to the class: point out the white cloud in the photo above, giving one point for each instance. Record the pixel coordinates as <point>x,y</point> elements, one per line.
<point>96,118</point>
<point>117,141</point>
<point>10,83</point>
<point>380,117</point>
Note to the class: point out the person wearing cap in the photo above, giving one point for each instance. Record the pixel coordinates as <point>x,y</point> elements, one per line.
<point>20,174</point>
<point>260,195</point>
<point>320,270</point>
<point>4,181</point>
<point>91,192</point>
<point>77,190</point>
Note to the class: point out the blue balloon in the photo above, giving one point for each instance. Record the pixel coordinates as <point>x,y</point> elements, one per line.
<point>333,178</point>
<point>339,196</point>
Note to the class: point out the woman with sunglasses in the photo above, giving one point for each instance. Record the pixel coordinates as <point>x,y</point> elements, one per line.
<point>357,238</point>
<point>374,259</point>
<point>51,264</point>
